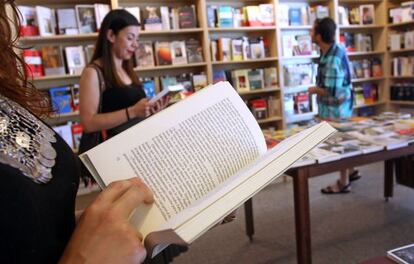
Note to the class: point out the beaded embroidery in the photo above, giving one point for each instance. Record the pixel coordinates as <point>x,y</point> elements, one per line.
<point>26,142</point>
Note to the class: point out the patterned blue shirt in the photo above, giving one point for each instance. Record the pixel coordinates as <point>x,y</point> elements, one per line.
<point>335,77</point>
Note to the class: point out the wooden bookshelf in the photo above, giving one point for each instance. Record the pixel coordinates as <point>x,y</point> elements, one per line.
<point>370,105</point>
<point>203,33</point>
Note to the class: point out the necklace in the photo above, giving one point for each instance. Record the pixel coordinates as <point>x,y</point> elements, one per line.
<point>26,142</point>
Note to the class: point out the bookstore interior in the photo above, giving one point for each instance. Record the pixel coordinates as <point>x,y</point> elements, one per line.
<point>264,49</point>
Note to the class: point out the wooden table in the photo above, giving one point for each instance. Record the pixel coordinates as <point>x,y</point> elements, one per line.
<point>300,177</point>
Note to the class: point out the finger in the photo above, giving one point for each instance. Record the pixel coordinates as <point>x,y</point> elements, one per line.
<point>113,191</point>
<point>136,194</point>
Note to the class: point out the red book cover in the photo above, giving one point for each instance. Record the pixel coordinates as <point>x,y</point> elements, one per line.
<point>77,131</point>
<point>33,60</point>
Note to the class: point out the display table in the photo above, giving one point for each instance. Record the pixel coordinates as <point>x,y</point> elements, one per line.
<point>300,177</point>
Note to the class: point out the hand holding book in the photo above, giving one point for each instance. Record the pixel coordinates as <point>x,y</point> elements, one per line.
<point>202,158</point>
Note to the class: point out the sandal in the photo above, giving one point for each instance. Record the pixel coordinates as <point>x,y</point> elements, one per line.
<point>354,176</point>
<point>341,189</point>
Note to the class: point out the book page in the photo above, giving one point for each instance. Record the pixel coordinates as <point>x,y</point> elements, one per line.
<point>185,151</point>
<point>249,181</point>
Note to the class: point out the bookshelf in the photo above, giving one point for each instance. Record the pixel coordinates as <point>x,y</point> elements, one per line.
<point>380,30</point>
<point>372,27</point>
<point>399,80</point>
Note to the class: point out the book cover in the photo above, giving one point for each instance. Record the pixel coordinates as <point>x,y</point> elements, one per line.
<point>152,20</point>
<point>367,13</point>
<point>257,49</point>
<point>66,20</point>
<point>187,17</point>
<point>165,17</point>
<point>211,16</point>
<point>288,44</point>
<point>354,16</point>
<point>295,18</point>
<point>61,99</point>
<point>266,16</point>
<point>304,43</point>
<point>224,49</point>
<point>186,81</point>
<point>219,76</point>
<point>135,11</point>
<point>194,51</point>
<point>273,106</point>
<point>241,80</point>
<point>75,59</point>
<point>28,22</point>
<point>225,16</point>
<point>270,77</point>
<point>149,87</point>
<point>214,50</point>
<point>255,78</point>
<point>163,53</point>
<point>199,81</point>
<point>144,55</point>
<point>65,132</point>
<point>85,15</point>
<point>77,131</point>
<point>259,108</point>
<point>101,10</point>
<point>178,52</point>
<point>302,103</point>
<point>52,59</point>
<point>237,49</point>
<point>253,16</point>
<point>283,15</point>
<point>46,20</point>
<point>33,60</point>
<point>74,92</point>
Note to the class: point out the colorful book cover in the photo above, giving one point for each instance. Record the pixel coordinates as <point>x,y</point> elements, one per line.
<point>178,52</point>
<point>187,17</point>
<point>52,59</point>
<point>33,60</point>
<point>255,77</point>
<point>163,53</point>
<point>28,22</point>
<point>225,16</point>
<point>61,99</point>
<point>194,51</point>
<point>86,19</point>
<point>149,87</point>
<point>144,55</point>
<point>295,18</point>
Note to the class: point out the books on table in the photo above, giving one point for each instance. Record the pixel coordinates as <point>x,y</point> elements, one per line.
<point>402,255</point>
<point>203,157</point>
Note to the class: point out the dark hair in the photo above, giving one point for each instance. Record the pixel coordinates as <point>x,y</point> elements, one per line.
<point>13,76</point>
<point>115,20</point>
<point>326,28</point>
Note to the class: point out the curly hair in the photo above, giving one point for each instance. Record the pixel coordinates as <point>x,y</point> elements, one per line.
<point>14,83</point>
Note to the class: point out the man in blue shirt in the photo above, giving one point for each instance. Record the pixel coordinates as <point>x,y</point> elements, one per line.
<point>333,88</point>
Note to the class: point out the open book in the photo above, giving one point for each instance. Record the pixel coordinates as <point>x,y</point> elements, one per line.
<point>202,158</point>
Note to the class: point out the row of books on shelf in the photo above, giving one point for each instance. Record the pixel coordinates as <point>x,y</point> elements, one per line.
<point>298,45</point>
<point>300,14</point>
<point>239,49</point>
<point>366,68</point>
<point>356,42</point>
<point>401,40</point>
<point>402,91</point>
<point>45,21</point>
<point>190,83</point>
<point>244,80</point>
<point>299,74</point>
<point>224,16</point>
<point>365,94</point>
<point>264,107</point>
<point>402,13</point>
<point>402,66</point>
<point>356,15</point>
<point>57,60</point>
<point>165,17</point>
<point>65,99</point>
<point>149,54</point>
